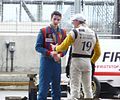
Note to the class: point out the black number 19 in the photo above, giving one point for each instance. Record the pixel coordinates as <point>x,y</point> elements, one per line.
<point>86,45</point>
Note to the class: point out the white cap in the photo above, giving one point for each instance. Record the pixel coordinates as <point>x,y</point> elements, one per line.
<point>79,17</point>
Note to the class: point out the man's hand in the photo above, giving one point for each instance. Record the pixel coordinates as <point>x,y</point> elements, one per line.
<point>53,53</point>
<point>56,56</point>
<point>53,46</point>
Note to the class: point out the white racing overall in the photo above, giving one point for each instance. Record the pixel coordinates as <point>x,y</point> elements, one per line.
<point>81,70</point>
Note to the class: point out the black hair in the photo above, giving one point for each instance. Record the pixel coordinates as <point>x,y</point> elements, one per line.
<point>56,13</point>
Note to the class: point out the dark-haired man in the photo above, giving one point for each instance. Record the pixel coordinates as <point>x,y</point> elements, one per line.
<point>50,63</point>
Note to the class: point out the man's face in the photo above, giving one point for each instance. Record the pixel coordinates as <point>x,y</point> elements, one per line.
<point>75,23</point>
<point>56,20</point>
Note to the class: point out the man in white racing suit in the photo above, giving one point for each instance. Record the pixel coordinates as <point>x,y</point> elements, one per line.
<point>83,41</point>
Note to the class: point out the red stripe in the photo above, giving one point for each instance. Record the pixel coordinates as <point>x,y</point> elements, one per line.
<point>59,40</point>
<point>44,34</point>
<point>107,73</point>
<point>64,34</point>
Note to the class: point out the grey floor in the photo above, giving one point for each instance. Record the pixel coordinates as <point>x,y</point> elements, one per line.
<point>5,93</point>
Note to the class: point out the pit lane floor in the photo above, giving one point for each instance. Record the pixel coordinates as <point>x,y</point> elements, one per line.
<point>6,93</point>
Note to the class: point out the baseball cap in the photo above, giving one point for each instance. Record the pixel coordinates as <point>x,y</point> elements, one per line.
<point>79,17</point>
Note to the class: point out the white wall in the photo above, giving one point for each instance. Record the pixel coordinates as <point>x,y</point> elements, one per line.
<point>25,56</point>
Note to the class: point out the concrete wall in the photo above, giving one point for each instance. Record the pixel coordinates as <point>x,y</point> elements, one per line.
<point>25,56</point>
<point>26,59</point>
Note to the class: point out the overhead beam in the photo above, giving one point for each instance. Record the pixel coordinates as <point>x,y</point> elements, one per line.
<point>59,2</point>
<point>1,11</point>
<point>28,12</point>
